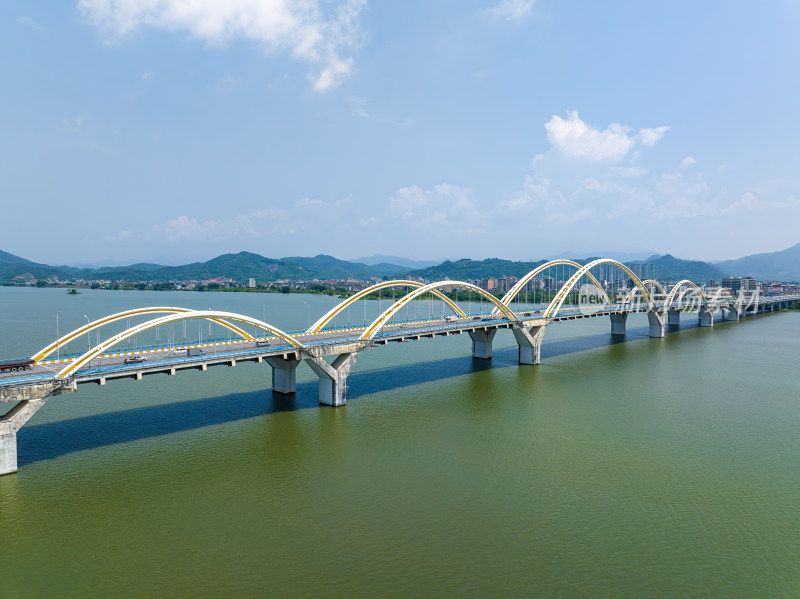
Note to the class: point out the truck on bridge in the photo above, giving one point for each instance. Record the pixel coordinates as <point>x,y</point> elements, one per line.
<point>16,365</point>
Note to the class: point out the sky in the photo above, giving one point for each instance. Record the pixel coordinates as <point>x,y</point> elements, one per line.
<point>172,131</point>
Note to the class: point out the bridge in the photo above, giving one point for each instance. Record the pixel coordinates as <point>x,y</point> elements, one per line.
<point>332,351</point>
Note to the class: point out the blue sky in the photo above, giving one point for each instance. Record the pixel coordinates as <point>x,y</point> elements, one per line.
<point>176,130</point>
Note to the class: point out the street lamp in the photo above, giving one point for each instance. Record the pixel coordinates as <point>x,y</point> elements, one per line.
<point>309,313</point>
<point>88,334</point>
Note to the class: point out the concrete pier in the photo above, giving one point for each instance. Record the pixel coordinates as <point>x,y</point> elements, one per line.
<point>657,321</point>
<point>674,317</point>
<point>730,313</point>
<point>706,316</point>
<point>333,377</point>
<point>618,323</point>
<point>284,370</point>
<point>529,341</point>
<point>10,423</point>
<point>482,343</point>
<point>26,401</point>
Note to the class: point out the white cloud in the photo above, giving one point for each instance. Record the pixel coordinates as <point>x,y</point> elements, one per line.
<point>688,161</point>
<point>649,137</point>
<point>300,27</point>
<point>185,228</point>
<point>443,205</point>
<point>749,202</point>
<point>575,139</point>
<point>309,203</point>
<point>511,10</point>
<point>630,172</point>
<point>123,235</point>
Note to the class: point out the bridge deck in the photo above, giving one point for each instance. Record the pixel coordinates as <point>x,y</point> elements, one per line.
<point>327,342</point>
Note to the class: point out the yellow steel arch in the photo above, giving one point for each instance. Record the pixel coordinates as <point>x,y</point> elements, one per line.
<point>514,291</point>
<point>379,322</point>
<point>684,283</point>
<point>317,326</point>
<point>96,351</point>
<point>87,328</point>
<point>558,300</point>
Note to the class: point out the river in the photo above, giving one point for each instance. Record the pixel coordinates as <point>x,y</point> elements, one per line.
<point>648,468</point>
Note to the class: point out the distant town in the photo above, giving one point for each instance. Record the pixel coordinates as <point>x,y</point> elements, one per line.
<point>246,272</point>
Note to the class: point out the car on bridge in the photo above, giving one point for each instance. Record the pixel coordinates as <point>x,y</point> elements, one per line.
<point>135,359</point>
<point>262,343</point>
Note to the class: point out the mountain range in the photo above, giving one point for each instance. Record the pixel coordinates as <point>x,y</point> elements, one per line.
<point>780,266</point>
<point>784,265</point>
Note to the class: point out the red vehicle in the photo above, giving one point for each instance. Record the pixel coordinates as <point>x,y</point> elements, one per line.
<point>16,365</point>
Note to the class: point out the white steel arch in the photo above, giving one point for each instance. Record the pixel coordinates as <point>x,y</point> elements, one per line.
<point>317,326</point>
<point>558,300</point>
<point>514,291</point>
<point>629,298</point>
<point>379,322</point>
<point>722,292</point>
<point>684,283</point>
<point>96,351</point>
<point>87,328</point>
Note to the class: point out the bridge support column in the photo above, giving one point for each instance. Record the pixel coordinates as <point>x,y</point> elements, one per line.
<point>657,321</point>
<point>706,317</point>
<point>674,317</point>
<point>482,343</point>
<point>283,373</point>
<point>10,423</point>
<point>618,323</point>
<point>333,377</point>
<point>730,313</point>
<point>530,344</point>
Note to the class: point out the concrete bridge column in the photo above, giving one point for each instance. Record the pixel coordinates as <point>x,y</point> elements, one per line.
<point>530,344</point>
<point>674,317</point>
<point>657,321</point>
<point>482,343</point>
<point>333,377</point>
<point>283,373</point>
<point>618,323</point>
<point>730,313</point>
<point>10,423</point>
<point>706,316</point>
<point>26,401</point>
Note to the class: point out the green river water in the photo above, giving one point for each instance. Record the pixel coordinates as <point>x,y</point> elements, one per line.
<point>649,468</point>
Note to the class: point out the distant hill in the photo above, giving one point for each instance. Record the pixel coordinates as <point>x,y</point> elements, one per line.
<point>464,269</point>
<point>672,269</point>
<point>343,269</point>
<point>382,260</point>
<point>781,266</point>
<point>12,267</point>
<point>239,267</point>
<point>244,265</point>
